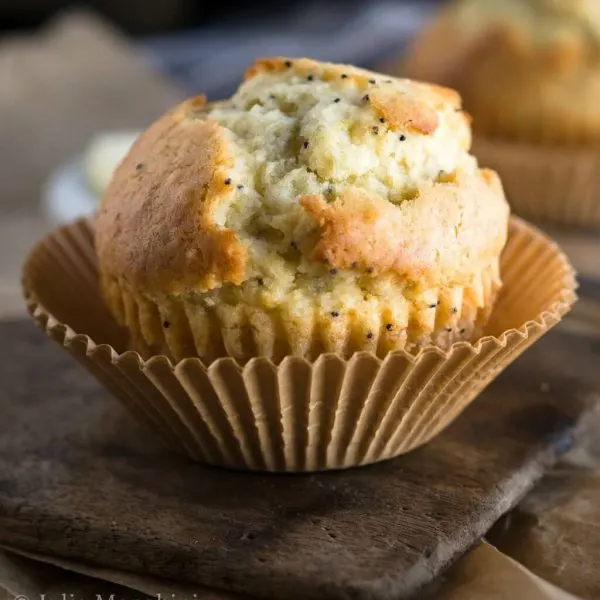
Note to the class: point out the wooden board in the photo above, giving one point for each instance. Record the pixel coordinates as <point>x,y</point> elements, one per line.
<point>80,480</point>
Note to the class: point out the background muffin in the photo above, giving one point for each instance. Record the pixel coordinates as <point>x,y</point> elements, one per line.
<point>321,208</point>
<point>527,69</point>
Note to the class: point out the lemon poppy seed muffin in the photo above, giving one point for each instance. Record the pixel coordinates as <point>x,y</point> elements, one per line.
<point>527,69</point>
<point>323,208</point>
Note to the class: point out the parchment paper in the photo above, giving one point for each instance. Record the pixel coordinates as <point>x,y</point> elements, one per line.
<point>484,574</point>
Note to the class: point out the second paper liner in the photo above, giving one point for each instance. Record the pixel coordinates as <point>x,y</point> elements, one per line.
<point>295,416</point>
<point>546,183</point>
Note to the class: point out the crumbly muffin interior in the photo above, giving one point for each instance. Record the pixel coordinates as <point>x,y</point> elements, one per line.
<point>295,134</point>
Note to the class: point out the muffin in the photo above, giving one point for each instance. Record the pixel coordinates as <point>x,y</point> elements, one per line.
<point>526,69</point>
<point>529,74</point>
<point>322,208</point>
<point>323,252</point>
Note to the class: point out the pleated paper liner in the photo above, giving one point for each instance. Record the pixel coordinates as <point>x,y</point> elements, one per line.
<point>297,415</point>
<point>558,184</point>
<point>244,331</point>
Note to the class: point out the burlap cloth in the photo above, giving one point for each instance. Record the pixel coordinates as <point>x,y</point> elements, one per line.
<point>78,78</point>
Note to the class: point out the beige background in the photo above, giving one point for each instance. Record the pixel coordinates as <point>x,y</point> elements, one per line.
<point>57,90</point>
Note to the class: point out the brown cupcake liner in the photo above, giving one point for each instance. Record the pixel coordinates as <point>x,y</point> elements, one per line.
<point>181,328</point>
<point>559,184</point>
<point>297,415</point>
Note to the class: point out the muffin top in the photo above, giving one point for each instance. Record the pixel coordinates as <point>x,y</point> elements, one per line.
<point>525,68</point>
<point>308,169</point>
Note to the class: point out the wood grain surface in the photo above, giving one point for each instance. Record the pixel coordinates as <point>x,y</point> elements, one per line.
<point>79,479</point>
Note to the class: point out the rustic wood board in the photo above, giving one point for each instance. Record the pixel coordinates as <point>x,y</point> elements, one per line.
<point>80,480</point>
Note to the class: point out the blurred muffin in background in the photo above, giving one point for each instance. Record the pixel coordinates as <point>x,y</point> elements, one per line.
<point>529,74</point>
<point>527,69</point>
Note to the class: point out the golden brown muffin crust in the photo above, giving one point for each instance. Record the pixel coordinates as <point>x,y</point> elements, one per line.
<point>403,115</point>
<point>363,230</point>
<point>159,231</point>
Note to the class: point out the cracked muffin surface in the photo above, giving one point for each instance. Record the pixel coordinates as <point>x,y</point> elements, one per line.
<point>322,208</point>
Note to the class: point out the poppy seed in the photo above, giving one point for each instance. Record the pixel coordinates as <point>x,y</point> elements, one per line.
<point>166,324</point>
<point>370,335</point>
<point>228,181</point>
<point>335,313</point>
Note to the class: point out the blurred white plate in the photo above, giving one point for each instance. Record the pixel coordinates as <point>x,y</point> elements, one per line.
<point>74,190</point>
<point>67,195</point>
